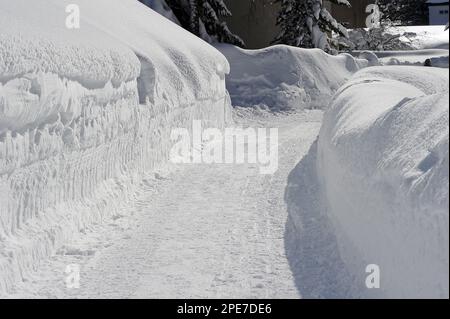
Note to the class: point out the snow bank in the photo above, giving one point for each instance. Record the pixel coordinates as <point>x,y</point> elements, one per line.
<point>439,57</point>
<point>383,162</point>
<point>283,77</point>
<point>85,113</point>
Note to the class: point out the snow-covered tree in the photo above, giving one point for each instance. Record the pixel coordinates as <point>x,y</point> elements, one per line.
<point>204,18</point>
<point>374,39</point>
<point>307,24</point>
<point>404,12</point>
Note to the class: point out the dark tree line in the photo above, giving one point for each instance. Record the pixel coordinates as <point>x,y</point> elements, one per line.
<point>404,12</point>
<point>302,23</point>
<point>204,18</point>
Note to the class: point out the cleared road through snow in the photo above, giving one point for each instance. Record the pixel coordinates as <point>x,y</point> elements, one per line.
<point>199,231</point>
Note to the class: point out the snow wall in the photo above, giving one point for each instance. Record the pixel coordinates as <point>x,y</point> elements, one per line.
<point>84,113</point>
<point>283,77</point>
<point>383,163</point>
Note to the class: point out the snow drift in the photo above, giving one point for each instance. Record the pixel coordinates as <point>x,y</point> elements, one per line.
<point>437,57</point>
<point>383,163</point>
<point>84,113</point>
<point>283,77</point>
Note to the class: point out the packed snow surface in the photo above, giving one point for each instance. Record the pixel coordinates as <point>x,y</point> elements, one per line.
<point>283,77</point>
<point>84,112</point>
<point>196,231</point>
<point>86,116</point>
<point>383,163</point>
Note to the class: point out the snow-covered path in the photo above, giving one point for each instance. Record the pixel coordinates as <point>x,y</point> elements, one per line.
<point>201,231</point>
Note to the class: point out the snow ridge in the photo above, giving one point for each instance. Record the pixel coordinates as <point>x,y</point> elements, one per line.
<point>85,114</point>
<point>383,165</point>
<point>283,77</point>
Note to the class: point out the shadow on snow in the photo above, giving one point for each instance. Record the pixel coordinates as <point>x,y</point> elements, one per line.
<point>310,243</point>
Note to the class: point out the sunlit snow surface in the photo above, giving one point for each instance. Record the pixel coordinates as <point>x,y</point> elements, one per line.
<point>85,121</point>
<point>383,161</point>
<point>283,77</point>
<point>84,112</point>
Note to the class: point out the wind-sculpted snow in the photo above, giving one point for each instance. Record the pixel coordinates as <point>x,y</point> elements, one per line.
<point>86,113</point>
<point>34,38</point>
<point>383,163</point>
<point>283,77</point>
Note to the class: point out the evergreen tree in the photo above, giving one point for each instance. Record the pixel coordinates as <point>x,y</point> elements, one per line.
<point>204,19</point>
<point>306,24</point>
<point>404,12</point>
